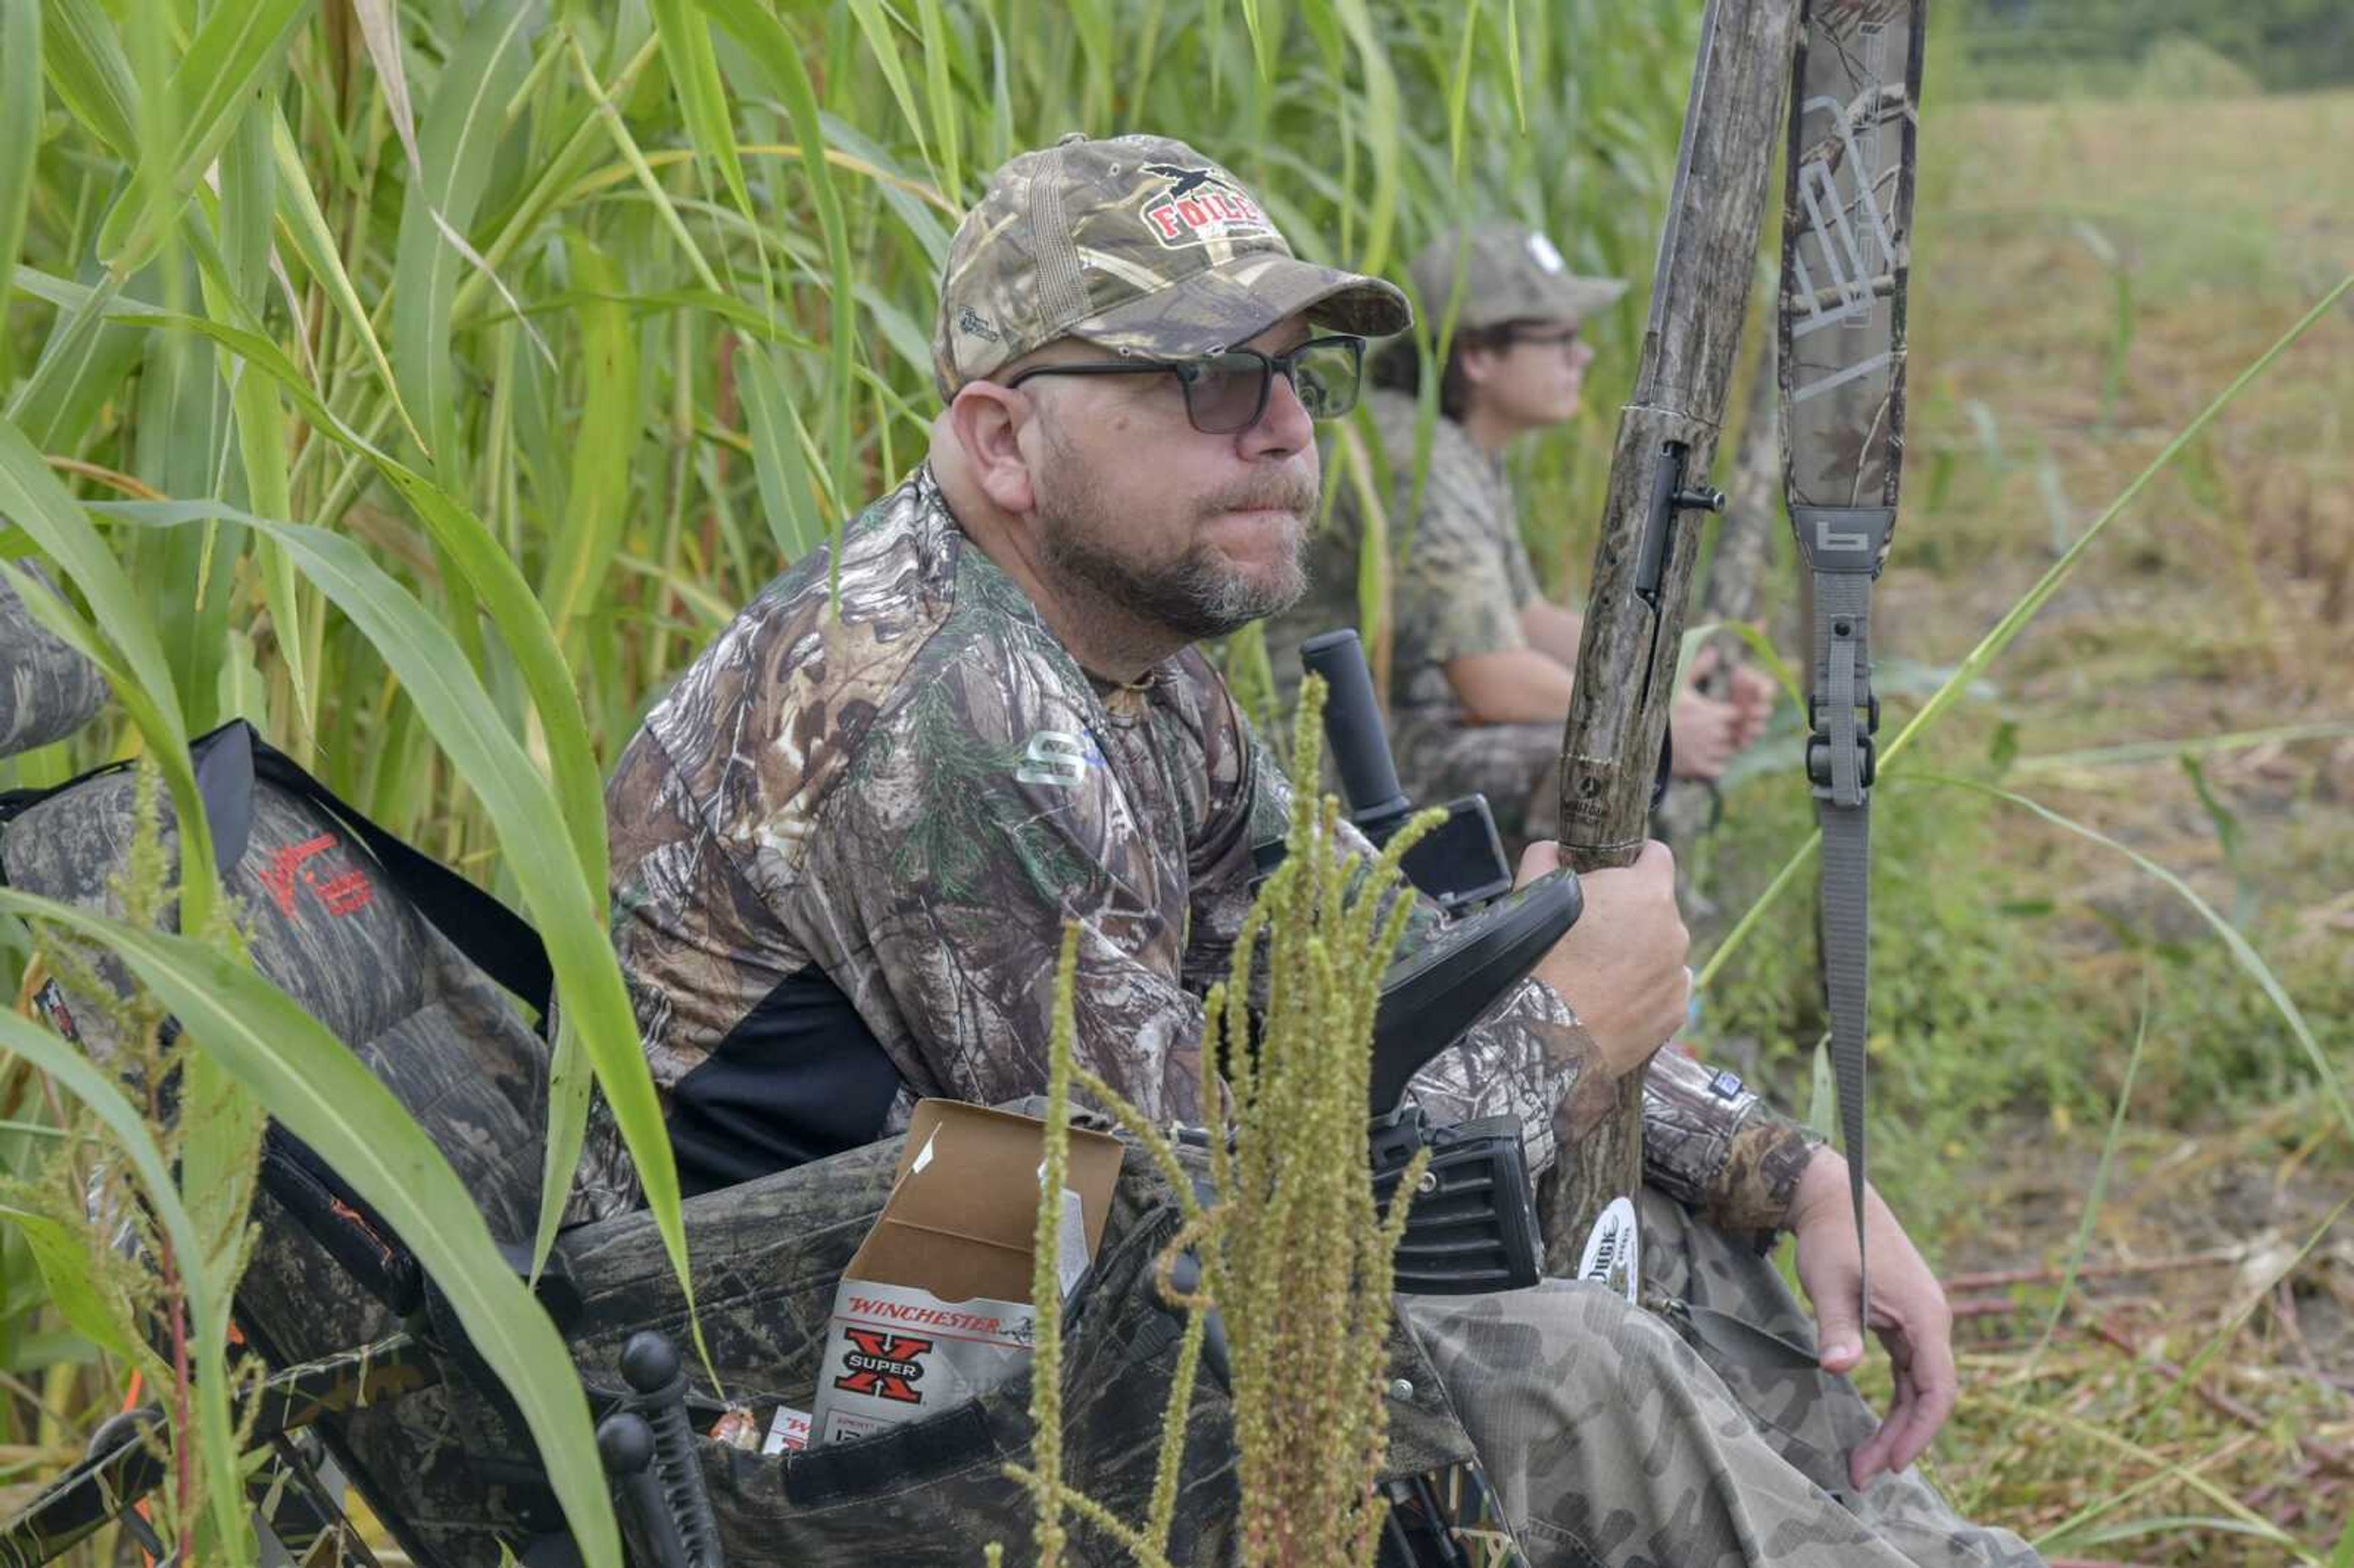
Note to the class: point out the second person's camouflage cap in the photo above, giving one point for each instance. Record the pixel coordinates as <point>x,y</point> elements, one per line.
<point>1509,273</point>
<point>1138,244</point>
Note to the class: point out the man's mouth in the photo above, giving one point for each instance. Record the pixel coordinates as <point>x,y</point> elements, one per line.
<point>1287,493</point>
<point>1254,533</point>
<point>1263,505</point>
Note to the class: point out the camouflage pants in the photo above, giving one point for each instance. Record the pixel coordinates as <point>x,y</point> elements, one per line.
<point>1516,765</point>
<point>1612,1440</point>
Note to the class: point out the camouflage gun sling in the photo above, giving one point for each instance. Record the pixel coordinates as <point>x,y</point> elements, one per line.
<point>1846,251</point>
<point>1643,563</point>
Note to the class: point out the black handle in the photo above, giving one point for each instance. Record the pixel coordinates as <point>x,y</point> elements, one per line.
<point>1434,993</point>
<point>625,1441</point>
<point>1353,728</point>
<point>657,1379</point>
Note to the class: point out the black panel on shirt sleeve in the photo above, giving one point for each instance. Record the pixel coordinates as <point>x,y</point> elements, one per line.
<point>800,1077</point>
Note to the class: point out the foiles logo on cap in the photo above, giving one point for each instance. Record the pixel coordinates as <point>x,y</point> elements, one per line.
<point>1196,206</point>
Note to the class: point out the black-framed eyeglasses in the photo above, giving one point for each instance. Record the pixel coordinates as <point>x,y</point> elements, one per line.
<point>1227,392</point>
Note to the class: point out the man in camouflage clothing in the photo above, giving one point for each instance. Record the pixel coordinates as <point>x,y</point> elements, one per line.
<point>1481,660</point>
<point>845,844</point>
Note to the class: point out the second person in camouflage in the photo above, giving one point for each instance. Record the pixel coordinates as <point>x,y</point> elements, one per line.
<point>1481,660</point>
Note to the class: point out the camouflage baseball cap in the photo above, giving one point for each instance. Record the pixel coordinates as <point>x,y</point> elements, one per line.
<point>1138,244</point>
<point>1509,273</point>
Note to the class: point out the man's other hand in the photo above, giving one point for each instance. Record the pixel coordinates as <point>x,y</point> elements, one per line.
<point>1621,966</point>
<point>1908,1311</point>
<point>1705,733</point>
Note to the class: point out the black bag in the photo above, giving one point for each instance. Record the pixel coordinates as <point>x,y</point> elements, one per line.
<point>405,961</point>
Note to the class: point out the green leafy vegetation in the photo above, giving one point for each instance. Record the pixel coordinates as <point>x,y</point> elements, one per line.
<point>427,383</point>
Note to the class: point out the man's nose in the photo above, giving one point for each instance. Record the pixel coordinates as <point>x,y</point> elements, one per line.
<point>1284,429</point>
<point>1580,355</point>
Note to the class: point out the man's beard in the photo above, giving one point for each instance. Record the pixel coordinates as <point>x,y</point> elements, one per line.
<point>1200,594</point>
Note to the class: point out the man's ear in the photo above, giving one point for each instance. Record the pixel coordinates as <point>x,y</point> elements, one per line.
<point>988,419</point>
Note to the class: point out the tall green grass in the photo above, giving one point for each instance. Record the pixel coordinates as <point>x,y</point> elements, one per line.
<point>427,383</point>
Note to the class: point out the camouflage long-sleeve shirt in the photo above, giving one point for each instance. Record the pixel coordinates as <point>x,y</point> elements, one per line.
<point>844,848</point>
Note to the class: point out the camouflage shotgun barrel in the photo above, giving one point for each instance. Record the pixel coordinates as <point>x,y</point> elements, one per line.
<point>1643,561</point>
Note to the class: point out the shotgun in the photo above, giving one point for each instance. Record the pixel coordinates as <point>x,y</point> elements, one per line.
<point>1643,561</point>
<point>1853,74</point>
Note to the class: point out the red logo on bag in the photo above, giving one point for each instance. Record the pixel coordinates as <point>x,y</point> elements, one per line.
<point>343,892</point>
<point>883,1366</point>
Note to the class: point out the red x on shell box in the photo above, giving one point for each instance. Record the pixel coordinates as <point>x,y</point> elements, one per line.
<point>936,1307</point>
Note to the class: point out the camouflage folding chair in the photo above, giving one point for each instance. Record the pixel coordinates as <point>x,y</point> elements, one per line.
<point>47,690</point>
